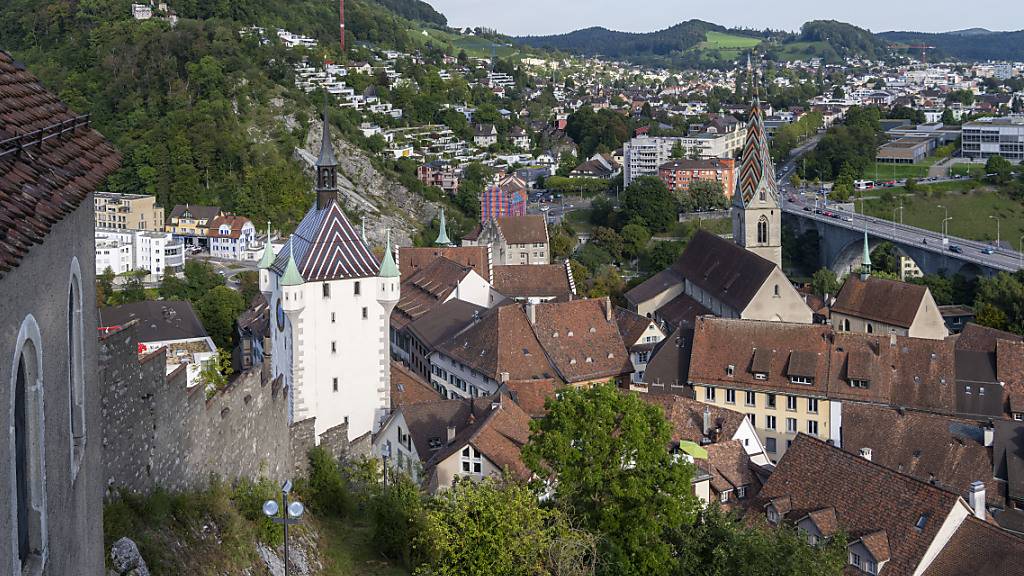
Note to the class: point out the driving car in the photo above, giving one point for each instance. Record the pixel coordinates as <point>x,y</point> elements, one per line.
<point>956,248</point>
<point>987,250</point>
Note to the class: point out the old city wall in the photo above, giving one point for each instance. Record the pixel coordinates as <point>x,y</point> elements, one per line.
<point>158,432</point>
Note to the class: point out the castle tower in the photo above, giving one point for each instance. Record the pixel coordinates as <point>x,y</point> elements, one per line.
<point>331,315</point>
<point>756,208</point>
<point>388,294</point>
<point>442,234</point>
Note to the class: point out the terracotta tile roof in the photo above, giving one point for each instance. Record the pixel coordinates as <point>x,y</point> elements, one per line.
<point>653,286</point>
<point>444,321</point>
<point>877,543</point>
<point>1008,457</point>
<point>979,548</point>
<point>234,222</point>
<point>1010,370</point>
<point>889,301</point>
<point>925,375</point>
<point>859,360</point>
<point>498,428</point>
<point>632,326</point>
<point>428,423</point>
<point>427,289</point>
<point>686,416</point>
<point>196,211</point>
<point>528,229</point>
<point>982,338</point>
<point>531,395</point>
<point>537,281</point>
<point>581,341</point>
<point>867,498</point>
<point>409,388</point>
<point>681,311</point>
<point>670,363</point>
<point>50,160</point>
<point>752,347</point>
<point>825,521</point>
<point>411,260</point>
<point>724,270</point>
<point>949,452</point>
<point>502,340</point>
<point>730,468</point>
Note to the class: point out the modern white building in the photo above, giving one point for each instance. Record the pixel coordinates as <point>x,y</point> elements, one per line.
<point>987,137</point>
<point>230,236</point>
<point>126,250</point>
<point>331,301</point>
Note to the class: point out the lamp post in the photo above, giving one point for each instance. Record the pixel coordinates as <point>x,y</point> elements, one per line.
<point>996,218</point>
<point>944,218</point>
<point>289,514</point>
<point>1021,252</point>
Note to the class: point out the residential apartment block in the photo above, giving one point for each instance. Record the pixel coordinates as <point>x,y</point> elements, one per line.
<point>126,250</point>
<point>678,174</point>
<point>192,223</point>
<point>513,239</point>
<point>128,212</point>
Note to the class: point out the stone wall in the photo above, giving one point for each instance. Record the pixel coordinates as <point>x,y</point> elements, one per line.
<point>158,432</point>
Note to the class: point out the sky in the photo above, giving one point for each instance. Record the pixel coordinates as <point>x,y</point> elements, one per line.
<point>537,17</point>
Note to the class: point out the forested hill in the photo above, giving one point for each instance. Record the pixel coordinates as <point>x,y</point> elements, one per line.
<point>846,39</point>
<point>974,44</point>
<point>201,113</point>
<point>605,42</point>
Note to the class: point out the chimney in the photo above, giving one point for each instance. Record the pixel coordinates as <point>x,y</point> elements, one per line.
<point>608,308</point>
<point>865,453</point>
<point>451,434</point>
<point>503,377</point>
<point>531,312</point>
<point>707,421</point>
<point>976,498</point>
<point>892,340</point>
<point>989,434</point>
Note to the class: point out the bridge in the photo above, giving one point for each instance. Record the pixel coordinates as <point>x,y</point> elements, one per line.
<point>841,242</point>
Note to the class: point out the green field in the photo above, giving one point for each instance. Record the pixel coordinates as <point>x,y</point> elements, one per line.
<point>969,211</point>
<point>728,46</point>
<point>971,170</point>
<point>474,46</point>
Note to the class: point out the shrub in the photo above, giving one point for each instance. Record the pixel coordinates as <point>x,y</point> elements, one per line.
<point>328,494</point>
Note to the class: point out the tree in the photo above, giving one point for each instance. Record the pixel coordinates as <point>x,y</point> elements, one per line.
<point>607,282</point>
<point>566,164</point>
<point>678,151</point>
<point>660,256</point>
<point>947,117</point>
<point>704,196</point>
<point>133,289</point>
<point>1001,299</point>
<point>608,451</point>
<point>491,528</point>
<point>719,544</point>
<point>202,277</point>
<point>593,257</point>
<point>842,188</point>
<point>825,282</point>
<point>400,521</point>
<point>214,373</point>
<point>609,240</point>
<point>998,169</point>
<point>634,239</point>
<point>648,198</point>
<point>173,288</point>
<point>249,285</point>
<point>218,310</point>
<point>838,93</point>
<point>104,286</point>
<point>940,286</point>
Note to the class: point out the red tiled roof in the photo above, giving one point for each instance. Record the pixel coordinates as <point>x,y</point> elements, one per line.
<point>536,281</point>
<point>234,222</point>
<point>889,301</point>
<point>411,259</point>
<point>581,341</point>
<point>979,548</point>
<point>50,160</point>
<point>527,229</point>
<point>409,388</point>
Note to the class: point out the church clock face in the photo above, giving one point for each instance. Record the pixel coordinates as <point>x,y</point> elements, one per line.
<point>280,316</point>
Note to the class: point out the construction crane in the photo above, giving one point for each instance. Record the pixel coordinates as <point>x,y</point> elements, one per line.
<point>922,48</point>
<point>341,23</point>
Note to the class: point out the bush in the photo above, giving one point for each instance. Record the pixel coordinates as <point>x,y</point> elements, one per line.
<point>400,522</point>
<point>328,494</point>
<point>249,497</point>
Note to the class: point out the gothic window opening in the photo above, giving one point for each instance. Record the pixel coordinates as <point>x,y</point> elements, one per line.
<point>762,230</point>
<point>29,483</point>
<point>76,376</point>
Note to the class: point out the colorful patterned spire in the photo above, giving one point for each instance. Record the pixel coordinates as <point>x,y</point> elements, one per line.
<point>757,173</point>
<point>388,268</point>
<point>442,234</point>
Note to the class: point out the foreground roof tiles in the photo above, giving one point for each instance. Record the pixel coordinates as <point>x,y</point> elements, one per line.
<point>50,160</point>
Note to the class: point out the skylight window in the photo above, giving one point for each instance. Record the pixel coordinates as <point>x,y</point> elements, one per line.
<point>922,521</point>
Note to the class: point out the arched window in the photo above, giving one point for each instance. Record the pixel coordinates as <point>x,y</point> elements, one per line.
<point>762,196</point>
<point>776,290</point>
<point>870,328</point>
<point>762,230</point>
<point>76,375</point>
<point>845,325</point>
<point>28,512</point>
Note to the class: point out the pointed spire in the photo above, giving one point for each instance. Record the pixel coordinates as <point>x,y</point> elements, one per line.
<point>291,276</point>
<point>442,234</point>
<point>756,170</point>
<point>326,148</point>
<point>388,268</point>
<point>268,252</point>
<point>865,269</point>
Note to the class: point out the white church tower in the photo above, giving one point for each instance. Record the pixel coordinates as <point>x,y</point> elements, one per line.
<point>331,301</point>
<point>756,207</point>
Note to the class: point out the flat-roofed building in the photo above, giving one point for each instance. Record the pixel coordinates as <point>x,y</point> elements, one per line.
<point>987,137</point>
<point>128,212</point>
<point>906,150</point>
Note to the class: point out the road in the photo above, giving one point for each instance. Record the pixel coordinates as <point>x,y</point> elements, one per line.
<point>972,250</point>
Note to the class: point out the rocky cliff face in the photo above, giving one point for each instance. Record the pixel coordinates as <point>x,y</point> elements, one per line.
<point>381,202</point>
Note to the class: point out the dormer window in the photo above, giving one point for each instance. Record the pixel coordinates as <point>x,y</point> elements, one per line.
<point>730,369</point>
<point>569,333</point>
<point>864,384</point>
<point>801,380</point>
<point>434,443</point>
<point>773,515</point>
<point>760,376</point>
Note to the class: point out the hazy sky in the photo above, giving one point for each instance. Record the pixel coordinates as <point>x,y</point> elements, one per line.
<point>520,17</point>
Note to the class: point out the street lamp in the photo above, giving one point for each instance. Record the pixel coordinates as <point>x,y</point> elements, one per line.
<point>1021,252</point>
<point>944,219</point>
<point>290,514</point>
<point>996,218</point>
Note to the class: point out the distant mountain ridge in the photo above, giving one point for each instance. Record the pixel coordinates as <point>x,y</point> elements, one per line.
<point>975,44</point>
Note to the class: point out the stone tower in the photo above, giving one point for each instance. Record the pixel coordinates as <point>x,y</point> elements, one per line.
<point>756,206</point>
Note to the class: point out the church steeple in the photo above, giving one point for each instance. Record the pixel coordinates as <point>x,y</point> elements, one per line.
<point>326,167</point>
<point>756,207</point>
<point>442,234</point>
<point>865,267</point>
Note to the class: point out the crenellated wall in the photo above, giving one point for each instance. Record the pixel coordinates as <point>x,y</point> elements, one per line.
<point>157,432</point>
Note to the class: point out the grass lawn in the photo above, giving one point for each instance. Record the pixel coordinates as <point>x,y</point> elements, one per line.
<point>348,551</point>
<point>970,212</point>
<point>474,46</point>
<point>972,170</point>
<point>684,230</point>
<point>802,50</point>
<point>722,41</point>
<point>580,219</point>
